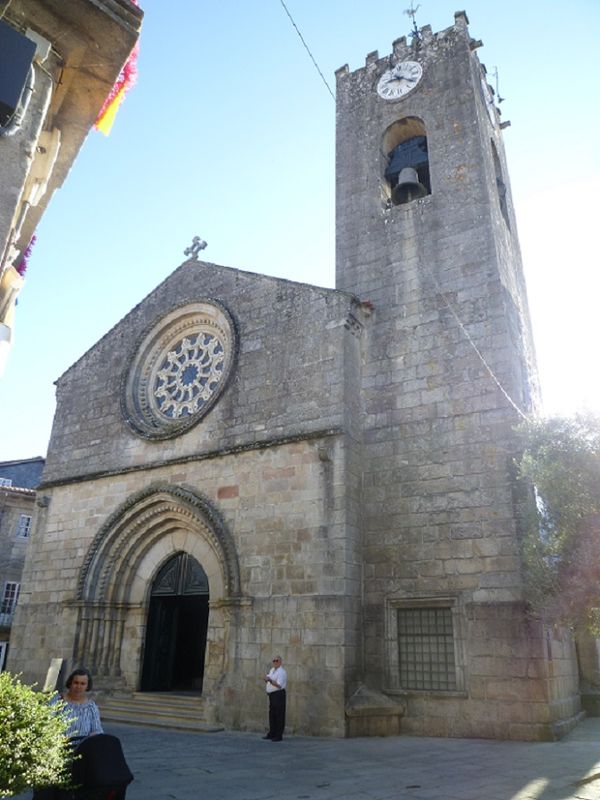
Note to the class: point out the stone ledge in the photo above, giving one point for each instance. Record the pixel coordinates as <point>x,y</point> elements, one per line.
<point>371,713</point>
<point>244,447</point>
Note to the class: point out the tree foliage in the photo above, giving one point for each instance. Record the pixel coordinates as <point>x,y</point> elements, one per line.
<point>561,460</point>
<point>34,750</point>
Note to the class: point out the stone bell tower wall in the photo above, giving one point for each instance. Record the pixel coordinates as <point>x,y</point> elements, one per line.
<point>448,371</point>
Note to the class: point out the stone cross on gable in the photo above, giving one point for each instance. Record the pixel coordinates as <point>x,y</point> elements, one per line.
<point>195,247</point>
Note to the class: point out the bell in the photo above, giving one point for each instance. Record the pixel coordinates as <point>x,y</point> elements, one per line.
<point>408,187</point>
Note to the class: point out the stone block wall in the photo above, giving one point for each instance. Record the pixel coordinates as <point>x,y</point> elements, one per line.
<point>299,577</point>
<point>448,366</point>
<point>272,459</point>
<point>289,377</point>
<point>13,503</point>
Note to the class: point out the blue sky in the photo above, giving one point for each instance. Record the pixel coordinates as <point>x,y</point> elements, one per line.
<point>230,134</point>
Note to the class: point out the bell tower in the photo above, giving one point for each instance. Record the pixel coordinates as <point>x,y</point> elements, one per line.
<point>426,234</point>
<point>426,109</point>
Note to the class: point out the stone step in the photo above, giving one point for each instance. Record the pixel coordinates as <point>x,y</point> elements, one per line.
<point>177,712</point>
<point>167,699</point>
<point>151,710</point>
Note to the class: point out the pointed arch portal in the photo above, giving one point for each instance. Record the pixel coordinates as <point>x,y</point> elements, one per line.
<point>143,592</point>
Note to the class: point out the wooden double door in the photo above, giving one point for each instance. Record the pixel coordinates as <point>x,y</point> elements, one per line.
<point>176,628</point>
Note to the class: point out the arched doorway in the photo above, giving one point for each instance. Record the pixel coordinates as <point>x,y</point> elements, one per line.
<point>121,567</point>
<point>176,627</point>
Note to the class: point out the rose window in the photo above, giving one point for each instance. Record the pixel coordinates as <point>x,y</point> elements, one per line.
<point>189,375</point>
<point>179,370</point>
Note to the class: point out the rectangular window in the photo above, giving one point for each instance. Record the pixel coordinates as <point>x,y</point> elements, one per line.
<point>10,597</point>
<point>5,481</point>
<point>3,652</point>
<point>24,526</point>
<point>426,658</point>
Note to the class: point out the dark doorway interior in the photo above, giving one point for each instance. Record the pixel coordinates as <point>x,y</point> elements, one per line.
<point>176,629</point>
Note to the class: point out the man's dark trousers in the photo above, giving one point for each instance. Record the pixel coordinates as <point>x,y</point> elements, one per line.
<point>276,713</point>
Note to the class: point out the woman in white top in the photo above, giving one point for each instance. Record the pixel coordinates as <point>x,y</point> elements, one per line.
<point>81,711</point>
<point>82,714</point>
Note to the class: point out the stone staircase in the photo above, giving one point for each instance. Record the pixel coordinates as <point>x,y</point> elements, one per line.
<point>182,712</point>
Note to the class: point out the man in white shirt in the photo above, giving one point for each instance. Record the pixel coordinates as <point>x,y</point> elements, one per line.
<point>276,683</point>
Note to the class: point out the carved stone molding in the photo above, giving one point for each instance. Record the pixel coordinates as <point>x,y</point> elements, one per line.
<point>179,369</point>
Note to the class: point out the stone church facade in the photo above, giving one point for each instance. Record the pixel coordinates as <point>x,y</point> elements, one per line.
<point>246,466</point>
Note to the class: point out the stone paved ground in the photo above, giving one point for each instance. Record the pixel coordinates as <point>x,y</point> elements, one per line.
<point>170,765</point>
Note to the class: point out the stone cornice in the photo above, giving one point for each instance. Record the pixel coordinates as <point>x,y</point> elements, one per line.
<point>245,447</point>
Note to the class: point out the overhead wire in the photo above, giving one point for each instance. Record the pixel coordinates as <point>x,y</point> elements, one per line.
<point>469,338</point>
<point>306,47</point>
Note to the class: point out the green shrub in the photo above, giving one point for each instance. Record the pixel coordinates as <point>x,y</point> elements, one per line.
<point>561,459</point>
<point>33,748</point>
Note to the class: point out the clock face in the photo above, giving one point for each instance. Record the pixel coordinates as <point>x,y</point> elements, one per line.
<point>400,80</point>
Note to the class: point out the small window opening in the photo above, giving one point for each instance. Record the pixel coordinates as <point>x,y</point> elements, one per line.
<point>9,600</point>
<point>407,161</point>
<point>24,526</point>
<point>500,186</point>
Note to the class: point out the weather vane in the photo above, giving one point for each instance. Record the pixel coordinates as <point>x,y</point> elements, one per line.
<point>498,98</point>
<point>412,13</point>
<point>195,247</point>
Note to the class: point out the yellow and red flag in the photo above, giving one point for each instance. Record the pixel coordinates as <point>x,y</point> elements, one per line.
<point>124,82</point>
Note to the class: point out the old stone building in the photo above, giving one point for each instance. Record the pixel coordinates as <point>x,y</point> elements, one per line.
<point>52,87</point>
<point>246,465</point>
<point>18,482</point>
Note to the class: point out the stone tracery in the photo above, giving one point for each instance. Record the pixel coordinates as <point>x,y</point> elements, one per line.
<point>179,370</point>
<point>189,375</point>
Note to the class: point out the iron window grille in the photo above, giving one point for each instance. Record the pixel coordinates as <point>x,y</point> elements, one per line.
<point>426,658</point>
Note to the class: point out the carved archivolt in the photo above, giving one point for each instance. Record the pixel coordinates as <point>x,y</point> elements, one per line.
<point>127,553</point>
<point>140,526</point>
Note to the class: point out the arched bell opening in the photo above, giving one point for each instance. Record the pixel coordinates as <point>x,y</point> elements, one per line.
<point>176,628</point>
<point>406,158</point>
